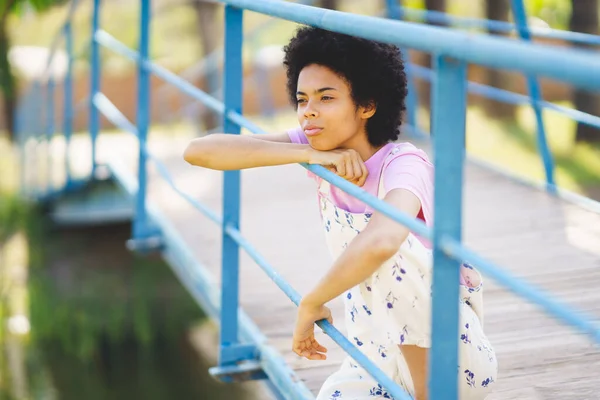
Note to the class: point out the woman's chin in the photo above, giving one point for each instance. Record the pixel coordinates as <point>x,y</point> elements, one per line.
<point>320,145</point>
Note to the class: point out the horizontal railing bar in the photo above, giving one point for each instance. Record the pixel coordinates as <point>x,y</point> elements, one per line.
<point>112,113</point>
<point>477,49</point>
<point>200,283</point>
<point>509,97</point>
<point>328,328</point>
<point>496,26</point>
<point>414,225</point>
<point>110,42</point>
<point>524,290</point>
<point>60,34</point>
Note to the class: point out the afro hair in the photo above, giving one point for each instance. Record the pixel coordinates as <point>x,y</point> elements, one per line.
<point>373,70</point>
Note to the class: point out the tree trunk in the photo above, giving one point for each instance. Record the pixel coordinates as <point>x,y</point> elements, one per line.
<point>329,4</point>
<point>498,10</point>
<point>209,30</point>
<point>584,18</point>
<point>7,81</point>
<point>424,90</point>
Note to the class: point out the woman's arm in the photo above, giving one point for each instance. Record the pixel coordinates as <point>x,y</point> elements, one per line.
<point>231,152</point>
<point>228,152</point>
<point>376,244</point>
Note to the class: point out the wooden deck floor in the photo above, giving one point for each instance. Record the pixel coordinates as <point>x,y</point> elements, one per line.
<point>552,244</point>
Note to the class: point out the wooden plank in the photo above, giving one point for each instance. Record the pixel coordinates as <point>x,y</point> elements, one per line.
<point>550,243</point>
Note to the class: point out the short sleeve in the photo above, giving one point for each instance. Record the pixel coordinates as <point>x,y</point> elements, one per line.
<point>412,171</point>
<point>297,135</point>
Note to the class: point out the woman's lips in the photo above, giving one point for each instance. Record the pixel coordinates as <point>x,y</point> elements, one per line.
<point>313,131</point>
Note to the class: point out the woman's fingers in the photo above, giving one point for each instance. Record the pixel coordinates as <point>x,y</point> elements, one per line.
<point>310,349</point>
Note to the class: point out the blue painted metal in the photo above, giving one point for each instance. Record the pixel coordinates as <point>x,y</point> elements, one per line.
<point>144,235</point>
<point>494,26</point>
<point>68,103</point>
<point>477,49</point>
<point>535,94</point>
<point>232,79</point>
<point>509,97</point>
<point>241,339</point>
<point>449,114</point>
<point>201,285</point>
<point>584,322</point>
<point>412,103</point>
<point>50,89</point>
<point>94,118</point>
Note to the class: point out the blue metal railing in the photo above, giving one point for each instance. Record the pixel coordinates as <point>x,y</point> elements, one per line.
<point>242,349</point>
<point>395,10</point>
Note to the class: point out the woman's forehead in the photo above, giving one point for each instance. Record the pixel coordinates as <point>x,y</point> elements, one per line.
<point>316,77</point>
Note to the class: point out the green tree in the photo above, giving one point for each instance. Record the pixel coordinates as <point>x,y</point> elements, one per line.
<point>498,10</point>
<point>584,18</point>
<point>8,84</point>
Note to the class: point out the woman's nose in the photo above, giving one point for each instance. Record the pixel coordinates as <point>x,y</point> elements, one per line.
<point>309,111</point>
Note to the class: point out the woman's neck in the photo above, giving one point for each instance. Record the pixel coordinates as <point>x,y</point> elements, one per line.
<point>360,143</point>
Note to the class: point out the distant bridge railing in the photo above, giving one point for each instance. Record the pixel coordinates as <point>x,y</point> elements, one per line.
<point>208,66</point>
<point>243,351</point>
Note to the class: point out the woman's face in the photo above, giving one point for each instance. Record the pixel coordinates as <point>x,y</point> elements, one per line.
<point>326,110</point>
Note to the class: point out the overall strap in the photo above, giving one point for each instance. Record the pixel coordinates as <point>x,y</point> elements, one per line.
<point>380,187</point>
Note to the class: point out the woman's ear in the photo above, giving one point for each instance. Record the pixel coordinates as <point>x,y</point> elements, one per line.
<point>368,111</point>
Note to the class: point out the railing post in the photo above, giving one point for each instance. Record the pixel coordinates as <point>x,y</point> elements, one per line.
<point>535,95</point>
<point>394,11</point>
<point>145,236</point>
<point>449,110</point>
<point>50,85</point>
<point>231,352</point>
<point>68,103</point>
<point>232,93</point>
<point>94,117</point>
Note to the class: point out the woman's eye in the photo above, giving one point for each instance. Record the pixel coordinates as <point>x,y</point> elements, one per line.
<point>300,101</point>
<point>326,98</point>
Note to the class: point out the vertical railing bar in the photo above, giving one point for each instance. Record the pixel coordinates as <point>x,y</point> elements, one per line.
<point>232,93</point>
<point>535,95</point>
<point>449,112</point>
<point>49,131</point>
<point>394,11</point>
<point>94,117</point>
<point>140,223</point>
<point>68,104</point>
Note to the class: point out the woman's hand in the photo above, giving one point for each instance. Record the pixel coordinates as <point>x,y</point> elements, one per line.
<point>304,342</point>
<point>343,162</point>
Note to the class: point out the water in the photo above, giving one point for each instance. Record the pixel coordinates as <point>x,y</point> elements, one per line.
<point>105,324</point>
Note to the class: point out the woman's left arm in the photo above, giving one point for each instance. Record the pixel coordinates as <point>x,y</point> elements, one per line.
<point>376,244</point>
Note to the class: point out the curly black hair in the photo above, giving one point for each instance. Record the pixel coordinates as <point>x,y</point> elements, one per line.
<point>373,70</point>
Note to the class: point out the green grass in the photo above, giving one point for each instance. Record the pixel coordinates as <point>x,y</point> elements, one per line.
<point>512,145</point>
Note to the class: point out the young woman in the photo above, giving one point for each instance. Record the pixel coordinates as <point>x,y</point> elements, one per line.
<point>349,95</point>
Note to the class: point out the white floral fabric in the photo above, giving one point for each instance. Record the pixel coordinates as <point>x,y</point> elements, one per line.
<point>393,308</point>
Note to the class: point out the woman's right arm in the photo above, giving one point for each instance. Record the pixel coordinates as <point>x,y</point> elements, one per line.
<point>229,152</point>
<point>223,152</point>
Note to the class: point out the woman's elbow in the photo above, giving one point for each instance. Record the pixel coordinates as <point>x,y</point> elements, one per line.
<point>385,246</point>
<point>196,153</point>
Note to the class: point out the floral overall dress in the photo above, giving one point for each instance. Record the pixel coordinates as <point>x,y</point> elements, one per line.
<point>393,307</point>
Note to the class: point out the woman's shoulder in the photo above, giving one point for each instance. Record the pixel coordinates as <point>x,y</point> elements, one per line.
<point>406,152</point>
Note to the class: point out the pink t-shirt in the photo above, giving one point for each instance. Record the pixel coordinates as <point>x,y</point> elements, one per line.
<point>408,169</point>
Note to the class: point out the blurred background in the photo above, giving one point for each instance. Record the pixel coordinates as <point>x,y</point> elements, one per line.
<point>100,322</point>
